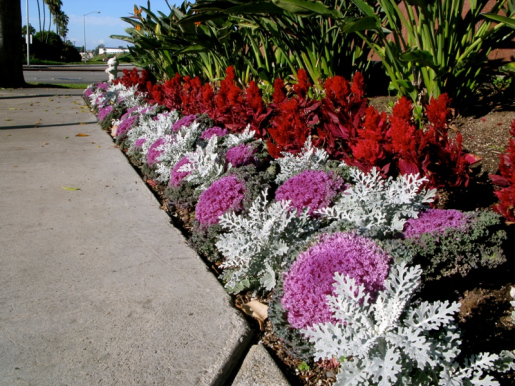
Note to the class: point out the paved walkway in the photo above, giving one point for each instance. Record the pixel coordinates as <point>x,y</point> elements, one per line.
<point>96,286</point>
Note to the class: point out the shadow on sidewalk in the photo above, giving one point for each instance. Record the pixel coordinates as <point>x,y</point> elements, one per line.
<point>37,96</point>
<point>50,125</point>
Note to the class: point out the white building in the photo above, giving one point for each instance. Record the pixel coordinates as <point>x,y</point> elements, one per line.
<point>112,50</point>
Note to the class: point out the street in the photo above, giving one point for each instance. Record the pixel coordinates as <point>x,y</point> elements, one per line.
<point>78,74</point>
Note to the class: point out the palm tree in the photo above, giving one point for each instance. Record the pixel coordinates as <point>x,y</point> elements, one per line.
<point>61,24</point>
<point>39,14</point>
<point>11,67</point>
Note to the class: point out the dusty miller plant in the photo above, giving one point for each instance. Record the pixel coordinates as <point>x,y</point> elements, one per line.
<point>204,165</point>
<point>255,245</point>
<point>157,127</point>
<point>146,124</point>
<point>390,341</point>
<point>176,146</point>
<point>232,140</point>
<point>379,205</point>
<point>310,158</point>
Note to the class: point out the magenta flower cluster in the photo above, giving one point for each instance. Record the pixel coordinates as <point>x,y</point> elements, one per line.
<point>88,92</point>
<point>104,112</point>
<point>310,189</point>
<point>125,125</point>
<point>224,194</point>
<point>128,113</point>
<point>154,151</point>
<point>435,221</point>
<point>102,85</point>
<point>139,142</point>
<point>184,121</point>
<point>241,155</point>
<point>218,131</point>
<point>311,277</point>
<point>177,176</point>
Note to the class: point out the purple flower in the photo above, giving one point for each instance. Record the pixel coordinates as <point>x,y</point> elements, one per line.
<point>309,189</point>
<point>241,155</point>
<point>88,92</point>
<point>125,125</point>
<point>104,112</point>
<point>99,99</point>
<point>184,121</point>
<point>139,142</point>
<point>176,176</point>
<point>102,85</point>
<point>155,151</point>
<point>225,194</point>
<point>128,113</point>
<point>311,276</point>
<point>218,131</point>
<point>435,221</point>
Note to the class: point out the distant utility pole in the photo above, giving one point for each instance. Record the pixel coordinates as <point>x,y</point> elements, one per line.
<point>27,35</point>
<point>85,52</point>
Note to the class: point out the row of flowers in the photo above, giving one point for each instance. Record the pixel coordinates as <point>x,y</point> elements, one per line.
<point>343,249</point>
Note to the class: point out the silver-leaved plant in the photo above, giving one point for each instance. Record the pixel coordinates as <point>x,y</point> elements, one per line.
<point>232,140</point>
<point>255,245</point>
<point>390,341</point>
<point>176,146</point>
<point>377,204</point>
<point>204,165</point>
<point>146,124</point>
<point>310,158</point>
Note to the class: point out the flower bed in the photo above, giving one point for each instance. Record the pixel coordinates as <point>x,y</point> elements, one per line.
<point>332,214</point>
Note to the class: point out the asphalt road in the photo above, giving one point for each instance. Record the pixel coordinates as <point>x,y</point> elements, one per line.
<point>85,74</point>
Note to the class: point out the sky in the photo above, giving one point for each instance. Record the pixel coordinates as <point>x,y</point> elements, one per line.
<point>99,27</point>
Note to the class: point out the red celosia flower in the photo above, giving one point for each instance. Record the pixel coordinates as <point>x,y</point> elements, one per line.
<point>506,195</point>
<point>438,111</point>
<point>279,91</point>
<point>303,85</point>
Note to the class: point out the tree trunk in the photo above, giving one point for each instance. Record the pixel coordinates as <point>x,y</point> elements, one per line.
<point>39,14</point>
<point>11,47</point>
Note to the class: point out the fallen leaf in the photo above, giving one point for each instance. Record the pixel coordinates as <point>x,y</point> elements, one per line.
<point>82,123</point>
<point>45,143</point>
<point>68,188</point>
<point>82,135</point>
<point>66,137</point>
<point>12,108</point>
<point>257,310</point>
<point>8,119</point>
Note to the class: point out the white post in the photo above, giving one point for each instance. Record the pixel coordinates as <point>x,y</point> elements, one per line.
<point>27,35</point>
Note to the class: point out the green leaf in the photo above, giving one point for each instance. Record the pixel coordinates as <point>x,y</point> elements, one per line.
<point>509,22</point>
<point>306,8</point>
<point>420,56</point>
<point>509,67</point>
<point>365,8</point>
<point>68,188</point>
<point>253,8</point>
<point>363,24</point>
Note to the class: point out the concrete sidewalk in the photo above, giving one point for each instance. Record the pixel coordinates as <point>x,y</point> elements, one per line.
<point>96,286</point>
